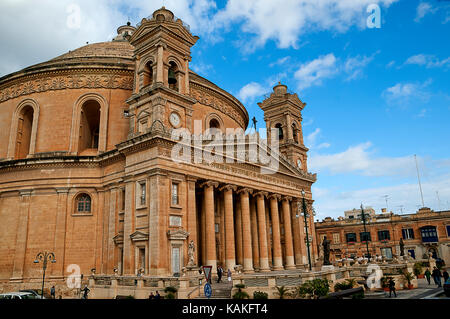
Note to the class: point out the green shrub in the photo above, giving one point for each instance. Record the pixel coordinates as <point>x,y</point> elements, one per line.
<point>314,288</point>
<point>282,291</point>
<point>347,284</point>
<point>260,295</point>
<point>417,268</point>
<point>240,294</point>
<point>170,292</point>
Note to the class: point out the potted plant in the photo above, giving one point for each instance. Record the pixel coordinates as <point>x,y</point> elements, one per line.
<point>418,270</point>
<point>240,294</point>
<point>408,276</point>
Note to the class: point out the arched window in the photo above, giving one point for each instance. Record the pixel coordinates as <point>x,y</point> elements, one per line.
<point>214,124</point>
<point>280,131</point>
<point>147,74</point>
<point>89,126</point>
<point>24,129</point>
<point>172,76</point>
<point>83,203</point>
<point>295,132</point>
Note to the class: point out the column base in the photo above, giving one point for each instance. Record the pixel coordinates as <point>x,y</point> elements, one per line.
<point>278,268</point>
<point>265,270</point>
<point>290,267</point>
<point>248,271</point>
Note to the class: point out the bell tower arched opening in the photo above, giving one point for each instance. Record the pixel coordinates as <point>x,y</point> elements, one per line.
<point>24,129</point>
<point>89,126</point>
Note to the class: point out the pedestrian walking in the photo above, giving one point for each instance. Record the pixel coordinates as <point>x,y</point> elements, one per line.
<point>85,291</point>
<point>437,276</point>
<point>52,292</point>
<point>445,275</point>
<point>151,296</point>
<point>428,275</point>
<point>157,295</point>
<point>229,275</point>
<point>219,273</point>
<point>391,284</point>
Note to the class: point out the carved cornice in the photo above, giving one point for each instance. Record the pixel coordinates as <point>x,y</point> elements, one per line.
<point>178,234</point>
<point>68,79</point>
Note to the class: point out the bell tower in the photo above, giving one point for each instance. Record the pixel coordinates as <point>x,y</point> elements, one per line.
<point>282,111</point>
<point>162,51</point>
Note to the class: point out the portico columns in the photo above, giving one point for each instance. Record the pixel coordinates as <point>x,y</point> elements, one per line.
<point>255,237</point>
<point>289,250</point>
<point>211,254</point>
<point>296,234</point>
<point>277,257</point>
<point>263,250</point>
<point>246,230</point>
<point>230,257</point>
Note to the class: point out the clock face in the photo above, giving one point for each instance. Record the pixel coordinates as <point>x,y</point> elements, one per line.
<point>299,163</point>
<point>174,119</point>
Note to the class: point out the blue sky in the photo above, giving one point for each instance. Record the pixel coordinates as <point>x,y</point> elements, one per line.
<point>375,96</point>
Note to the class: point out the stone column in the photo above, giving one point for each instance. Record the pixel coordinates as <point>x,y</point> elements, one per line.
<point>255,239</point>
<point>276,238</point>
<point>296,233</point>
<point>186,75</point>
<point>128,249</point>
<point>159,67</point>
<point>262,229</point>
<point>230,257</point>
<point>60,232</point>
<point>246,230</point>
<point>22,233</point>
<point>289,250</point>
<point>238,227</point>
<point>192,213</point>
<point>211,254</point>
<point>269,235</point>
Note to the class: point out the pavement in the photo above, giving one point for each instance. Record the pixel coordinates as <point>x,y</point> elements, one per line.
<point>424,291</point>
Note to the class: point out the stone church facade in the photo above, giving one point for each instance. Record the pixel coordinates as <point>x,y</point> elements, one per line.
<point>86,166</point>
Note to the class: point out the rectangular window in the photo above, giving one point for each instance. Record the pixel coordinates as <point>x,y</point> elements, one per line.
<point>408,233</point>
<point>174,193</point>
<point>384,235</point>
<point>142,193</point>
<point>216,228</point>
<point>175,221</point>
<point>123,199</point>
<point>387,252</point>
<point>351,237</point>
<point>336,238</point>
<point>448,230</point>
<point>365,236</point>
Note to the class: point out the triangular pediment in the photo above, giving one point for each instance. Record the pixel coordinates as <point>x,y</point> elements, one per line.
<point>139,236</point>
<point>177,234</point>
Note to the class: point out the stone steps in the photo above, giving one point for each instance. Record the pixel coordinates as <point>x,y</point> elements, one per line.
<point>219,291</point>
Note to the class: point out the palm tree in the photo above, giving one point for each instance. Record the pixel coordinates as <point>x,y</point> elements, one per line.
<point>282,291</point>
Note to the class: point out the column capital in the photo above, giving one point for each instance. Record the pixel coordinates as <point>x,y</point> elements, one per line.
<point>228,187</point>
<point>245,190</point>
<point>62,190</point>
<point>191,178</point>
<point>209,184</point>
<point>261,193</point>
<point>275,196</point>
<point>25,192</point>
<point>287,198</point>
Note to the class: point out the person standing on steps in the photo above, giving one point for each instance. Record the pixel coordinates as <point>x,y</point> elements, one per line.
<point>219,273</point>
<point>229,275</point>
<point>437,276</point>
<point>391,284</point>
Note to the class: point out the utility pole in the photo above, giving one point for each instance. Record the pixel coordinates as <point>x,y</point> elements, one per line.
<point>418,178</point>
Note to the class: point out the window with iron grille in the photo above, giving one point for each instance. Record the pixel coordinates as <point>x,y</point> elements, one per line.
<point>84,203</point>
<point>365,236</point>
<point>429,234</point>
<point>384,235</point>
<point>351,237</point>
<point>408,233</point>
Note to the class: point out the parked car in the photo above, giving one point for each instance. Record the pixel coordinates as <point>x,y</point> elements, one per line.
<point>18,295</point>
<point>34,292</point>
<point>447,287</point>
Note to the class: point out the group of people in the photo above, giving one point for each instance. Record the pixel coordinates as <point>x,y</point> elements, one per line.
<point>220,272</point>
<point>437,275</point>
<point>154,296</point>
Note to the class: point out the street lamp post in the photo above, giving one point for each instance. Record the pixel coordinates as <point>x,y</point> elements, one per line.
<point>44,257</point>
<point>305,215</point>
<point>363,216</point>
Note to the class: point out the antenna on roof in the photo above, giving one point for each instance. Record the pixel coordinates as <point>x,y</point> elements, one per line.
<point>418,177</point>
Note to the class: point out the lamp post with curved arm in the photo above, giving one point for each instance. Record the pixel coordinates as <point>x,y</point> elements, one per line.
<point>305,215</point>
<point>44,257</point>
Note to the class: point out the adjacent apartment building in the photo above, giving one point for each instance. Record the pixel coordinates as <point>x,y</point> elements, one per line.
<point>424,232</point>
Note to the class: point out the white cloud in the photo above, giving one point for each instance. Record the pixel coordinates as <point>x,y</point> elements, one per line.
<point>287,20</point>
<point>354,67</point>
<point>402,93</point>
<point>251,91</point>
<point>280,61</point>
<point>430,61</point>
<point>312,73</point>
<point>423,9</point>
<point>360,160</point>
<point>201,68</point>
